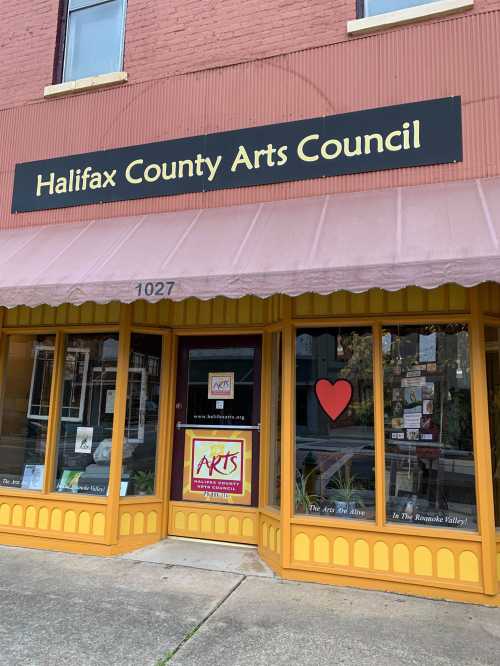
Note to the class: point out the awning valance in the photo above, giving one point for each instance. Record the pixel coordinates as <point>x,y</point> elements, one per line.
<point>423,236</point>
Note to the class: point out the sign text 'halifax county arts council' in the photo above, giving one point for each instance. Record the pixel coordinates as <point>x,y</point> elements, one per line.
<point>392,137</point>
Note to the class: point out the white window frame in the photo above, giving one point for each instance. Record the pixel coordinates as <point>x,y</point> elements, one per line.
<point>76,5</point>
<point>77,350</point>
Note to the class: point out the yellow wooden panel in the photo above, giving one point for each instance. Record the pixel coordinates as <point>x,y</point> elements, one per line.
<point>219,525</point>
<point>138,523</point>
<point>84,523</point>
<point>395,301</point>
<point>278,541</point>
<point>422,561</point>
<point>272,538</point>
<point>125,524</point>
<point>180,520</point>
<point>233,526</point>
<point>4,514</point>
<point>468,567</point>
<point>498,567</point>
<point>457,298</point>
<point>69,521</point>
<point>445,563</point>
<point>30,519</point>
<point>376,301</point>
<point>415,299</point>
<point>17,516</point>
<point>321,549</point>
<point>339,304</point>
<point>301,548</point>
<point>341,552</point>
<point>98,524</point>
<point>56,520</point>
<point>206,523</point>
<point>193,522</point>
<point>152,522</point>
<point>437,299</point>
<point>248,527</point>
<point>361,554</point>
<point>381,556</point>
<point>359,304</point>
<point>265,535</point>
<point>401,558</point>
<point>43,518</point>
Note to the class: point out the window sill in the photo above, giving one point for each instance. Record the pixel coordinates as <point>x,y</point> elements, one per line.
<point>408,15</point>
<point>88,83</point>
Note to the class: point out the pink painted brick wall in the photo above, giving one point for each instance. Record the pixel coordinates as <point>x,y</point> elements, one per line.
<point>173,36</point>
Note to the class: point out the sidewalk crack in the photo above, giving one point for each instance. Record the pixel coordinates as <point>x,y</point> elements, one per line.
<point>171,653</point>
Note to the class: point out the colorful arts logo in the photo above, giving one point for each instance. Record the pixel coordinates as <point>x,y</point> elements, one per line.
<point>217,466</point>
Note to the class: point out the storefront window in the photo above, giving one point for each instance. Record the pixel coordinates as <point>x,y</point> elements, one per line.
<point>87,408</point>
<point>275,434</point>
<point>428,431</point>
<point>493,373</point>
<point>25,410</point>
<point>141,421</point>
<point>335,473</point>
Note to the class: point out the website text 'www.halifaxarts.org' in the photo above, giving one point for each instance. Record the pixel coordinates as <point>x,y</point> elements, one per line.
<point>415,134</point>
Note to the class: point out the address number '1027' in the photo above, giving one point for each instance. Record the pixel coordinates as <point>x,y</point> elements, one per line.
<point>154,288</point>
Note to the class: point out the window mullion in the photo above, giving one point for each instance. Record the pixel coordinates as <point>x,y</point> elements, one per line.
<point>54,413</point>
<point>378,415</point>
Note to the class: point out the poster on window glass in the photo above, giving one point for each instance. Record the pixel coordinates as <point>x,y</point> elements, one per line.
<point>218,466</point>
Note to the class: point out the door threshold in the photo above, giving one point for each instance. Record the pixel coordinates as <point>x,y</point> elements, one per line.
<point>213,542</point>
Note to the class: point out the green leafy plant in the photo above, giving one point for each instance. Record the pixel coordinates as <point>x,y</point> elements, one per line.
<point>303,498</point>
<point>345,489</point>
<point>144,482</point>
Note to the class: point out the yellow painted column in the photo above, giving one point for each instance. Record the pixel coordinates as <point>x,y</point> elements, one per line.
<point>163,461</point>
<point>54,414</point>
<point>287,441</point>
<point>169,380</point>
<point>378,414</point>
<point>265,418</point>
<point>482,444</point>
<point>115,473</point>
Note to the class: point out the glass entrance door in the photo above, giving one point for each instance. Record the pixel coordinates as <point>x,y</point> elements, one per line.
<point>217,415</point>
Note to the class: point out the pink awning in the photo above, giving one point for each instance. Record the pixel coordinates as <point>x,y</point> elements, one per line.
<point>424,236</point>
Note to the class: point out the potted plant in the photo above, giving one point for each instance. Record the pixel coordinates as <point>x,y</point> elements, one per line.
<point>304,500</point>
<point>345,493</point>
<point>144,482</point>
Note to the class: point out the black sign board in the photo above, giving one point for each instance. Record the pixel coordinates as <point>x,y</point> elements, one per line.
<point>391,137</point>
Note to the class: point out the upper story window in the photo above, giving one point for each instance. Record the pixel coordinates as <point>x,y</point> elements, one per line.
<point>95,32</point>
<point>374,7</point>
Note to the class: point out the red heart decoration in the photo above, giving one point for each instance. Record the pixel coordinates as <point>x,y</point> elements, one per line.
<point>334,397</point>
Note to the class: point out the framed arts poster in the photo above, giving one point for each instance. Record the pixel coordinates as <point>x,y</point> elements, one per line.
<point>218,466</point>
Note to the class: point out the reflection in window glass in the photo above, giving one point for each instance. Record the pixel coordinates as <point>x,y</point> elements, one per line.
<point>141,421</point>
<point>493,373</point>
<point>275,433</point>
<point>86,424</point>
<point>94,40</point>
<point>373,7</point>
<point>25,410</point>
<point>239,409</point>
<point>429,453</point>
<point>335,473</point>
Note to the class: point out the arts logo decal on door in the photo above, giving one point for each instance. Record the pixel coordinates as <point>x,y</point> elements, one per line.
<point>217,466</point>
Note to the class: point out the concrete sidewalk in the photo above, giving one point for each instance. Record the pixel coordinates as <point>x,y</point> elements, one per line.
<point>58,609</point>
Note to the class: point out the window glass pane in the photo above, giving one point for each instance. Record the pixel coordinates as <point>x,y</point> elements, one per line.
<point>335,473</point>
<point>94,40</point>
<point>86,424</point>
<point>373,7</point>
<point>141,421</point>
<point>493,373</point>
<point>238,410</point>
<point>275,434</point>
<point>25,410</point>
<point>429,453</point>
